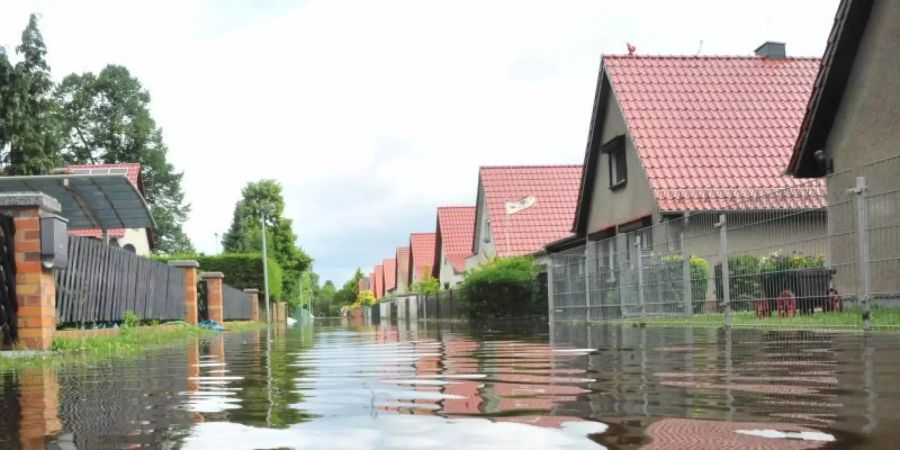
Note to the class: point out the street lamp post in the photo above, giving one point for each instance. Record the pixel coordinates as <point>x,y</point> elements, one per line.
<point>265,258</point>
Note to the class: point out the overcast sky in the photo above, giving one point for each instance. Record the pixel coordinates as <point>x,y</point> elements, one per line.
<point>373,113</point>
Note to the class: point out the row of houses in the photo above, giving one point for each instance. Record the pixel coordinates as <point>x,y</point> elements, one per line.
<point>674,136</point>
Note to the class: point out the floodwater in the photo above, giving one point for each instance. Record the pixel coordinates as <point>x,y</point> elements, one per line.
<point>429,385</point>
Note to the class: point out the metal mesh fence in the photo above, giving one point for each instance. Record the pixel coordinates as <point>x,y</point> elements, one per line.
<point>782,257</point>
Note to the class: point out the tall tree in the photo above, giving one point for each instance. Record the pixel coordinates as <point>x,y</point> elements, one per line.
<point>347,294</point>
<point>29,132</point>
<point>245,233</point>
<point>106,119</point>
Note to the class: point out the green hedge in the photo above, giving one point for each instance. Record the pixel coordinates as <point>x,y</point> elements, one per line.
<point>242,270</point>
<point>502,288</point>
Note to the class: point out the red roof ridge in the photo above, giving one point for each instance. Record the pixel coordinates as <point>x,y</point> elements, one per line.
<point>710,57</point>
<point>534,166</point>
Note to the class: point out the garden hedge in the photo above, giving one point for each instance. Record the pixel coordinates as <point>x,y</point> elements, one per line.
<point>242,270</point>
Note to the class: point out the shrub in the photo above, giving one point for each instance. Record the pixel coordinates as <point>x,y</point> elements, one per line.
<point>777,262</point>
<point>501,288</point>
<point>242,270</point>
<point>699,278</point>
<point>427,285</point>
<point>742,277</point>
<point>364,298</point>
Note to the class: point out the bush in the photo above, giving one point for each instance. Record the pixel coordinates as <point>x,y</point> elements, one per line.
<point>427,285</point>
<point>699,279</point>
<point>742,277</point>
<point>503,287</point>
<point>777,262</point>
<point>365,298</point>
<point>242,270</point>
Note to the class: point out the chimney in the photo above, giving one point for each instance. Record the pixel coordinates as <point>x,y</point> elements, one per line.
<point>771,50</point>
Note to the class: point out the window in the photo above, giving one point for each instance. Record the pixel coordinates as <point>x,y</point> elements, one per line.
<point>618,169</point>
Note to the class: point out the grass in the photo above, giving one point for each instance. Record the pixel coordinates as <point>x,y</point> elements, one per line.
<point>130,342</point>
<point>883,319</point>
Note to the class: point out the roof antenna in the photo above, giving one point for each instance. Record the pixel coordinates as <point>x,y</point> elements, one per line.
<point>700,50</point>
<point>631,49</point>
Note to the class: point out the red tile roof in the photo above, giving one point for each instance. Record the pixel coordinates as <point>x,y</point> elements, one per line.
<point>362,285</point>
<point>372,282</point>
<point>421,253</point>
<point>390,274</point>
<point>555,189</point>
<point>379,282</point>
<point>716,132</point>
<point>456,229</point>
<point>132,171</point>
<point>402,264</point>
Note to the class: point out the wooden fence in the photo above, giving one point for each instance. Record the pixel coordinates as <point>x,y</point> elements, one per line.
<point>102,282</point>
<point>237,304</point>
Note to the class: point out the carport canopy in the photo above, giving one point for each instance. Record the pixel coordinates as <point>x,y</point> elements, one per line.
<point>89,201</point>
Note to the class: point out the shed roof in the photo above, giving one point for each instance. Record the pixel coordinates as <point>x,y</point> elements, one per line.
<point>555,191</point>
<point>132,171</point>
<point>456,229</point>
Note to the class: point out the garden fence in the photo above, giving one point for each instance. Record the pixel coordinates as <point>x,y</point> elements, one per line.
<point>237,304</point>
<point>102,282</point>
<point>818,247</point>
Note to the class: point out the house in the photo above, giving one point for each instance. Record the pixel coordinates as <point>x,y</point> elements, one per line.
<point>402,267</point>
<point>362,285</point>
<point>850,130</point>
<point>677,141</point>
<point>520,209</point>
<point>454,230</point>
<point>378,287</point>
<point>421,251</point>
<point>390,276</point>
<point>135,240</point>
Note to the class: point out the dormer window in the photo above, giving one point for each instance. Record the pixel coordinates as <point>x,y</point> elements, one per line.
<point>618,169</point>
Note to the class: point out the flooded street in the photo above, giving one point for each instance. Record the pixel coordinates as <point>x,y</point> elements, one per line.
<point>458,386</point>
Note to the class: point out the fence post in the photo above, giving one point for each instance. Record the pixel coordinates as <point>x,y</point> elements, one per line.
<point>35,286</point>
<point>551,302</point>
<point>254,303</point>
<point>588,257</point>
<point>214,305</point>
<point>190,269</point>
<point>688,291</point>
<point>723,255</point>
<point>862,234</point>
<point>640,273</point>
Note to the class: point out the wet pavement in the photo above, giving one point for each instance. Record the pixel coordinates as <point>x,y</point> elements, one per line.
<point>507,385</point>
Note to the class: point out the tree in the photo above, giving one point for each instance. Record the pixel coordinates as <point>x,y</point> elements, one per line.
<point>245,233</point>
<point>347,294</point>
<point>106,119</point>
<point>29,131</point>
<point>324,304</point>
<point>427,285</point>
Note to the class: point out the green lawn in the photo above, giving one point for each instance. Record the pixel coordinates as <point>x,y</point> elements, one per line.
<point>883,319</point>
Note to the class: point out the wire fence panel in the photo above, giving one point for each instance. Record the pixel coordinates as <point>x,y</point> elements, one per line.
<point>101,283</point>
<point>237,304</point>
<point>828,247</point>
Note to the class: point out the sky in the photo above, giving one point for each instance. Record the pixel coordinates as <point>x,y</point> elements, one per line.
<point>373,113</point>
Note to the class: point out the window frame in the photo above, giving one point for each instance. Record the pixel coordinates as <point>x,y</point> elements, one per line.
<point>617,163</point>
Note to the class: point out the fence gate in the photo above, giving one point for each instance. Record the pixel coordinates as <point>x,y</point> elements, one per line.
<point>8,302</point>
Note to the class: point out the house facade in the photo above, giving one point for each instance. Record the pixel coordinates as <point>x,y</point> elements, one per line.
<point>850,131</point>
<point>675,144</point>
<point>402,270</point>
<point>135,240</point>
<point>520,209</point>
<point>421,256</point>
<point>454,230</point>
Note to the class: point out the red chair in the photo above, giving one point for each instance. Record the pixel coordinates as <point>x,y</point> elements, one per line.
<point>786,303</point>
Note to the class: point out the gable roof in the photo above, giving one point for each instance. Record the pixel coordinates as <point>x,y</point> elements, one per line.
<point>455,231</point>
<point>834,72</point>
<point>555,189</point>
<point>132,171</point>
<point>379,282</point>
<point>712,132</point>
<point>362,285</point>
<point>421,249</point>
<point>402,260</point>
<point>390,274</point>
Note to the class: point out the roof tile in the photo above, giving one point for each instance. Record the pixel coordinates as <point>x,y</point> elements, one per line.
<point>456,225</point>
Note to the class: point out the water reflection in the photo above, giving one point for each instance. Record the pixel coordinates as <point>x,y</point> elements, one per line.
<point>425,385</point>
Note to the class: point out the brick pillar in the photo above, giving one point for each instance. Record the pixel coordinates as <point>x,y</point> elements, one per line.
<point>254,303</point>
<point>35,286</point>
<point>214,305</point>
<point>39,403</point>
<point>190,269</point>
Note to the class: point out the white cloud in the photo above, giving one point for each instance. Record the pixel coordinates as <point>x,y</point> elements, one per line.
<point>373,113</point>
